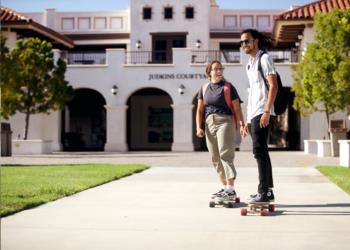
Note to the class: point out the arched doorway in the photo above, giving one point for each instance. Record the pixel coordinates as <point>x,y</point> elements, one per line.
<point>150,120</point>
<point>84,122</point>
<point>285,128</point>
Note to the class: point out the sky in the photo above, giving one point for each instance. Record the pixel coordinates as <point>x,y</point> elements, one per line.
<point>104,5</point>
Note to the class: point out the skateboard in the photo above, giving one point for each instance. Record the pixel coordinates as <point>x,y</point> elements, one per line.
<point>220,201</point>
<point>264,208</point>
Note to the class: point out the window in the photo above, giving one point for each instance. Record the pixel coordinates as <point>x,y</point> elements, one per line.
<point>189,12</point>
<point>100,22</point>
<point>83,23</point>
<point>168,13</point>
<point>230,21</point>
<point>247,21</point>
<point>116,23</point>
<point>147,13</point>
<point>263,21</point>
<point>67,23</point>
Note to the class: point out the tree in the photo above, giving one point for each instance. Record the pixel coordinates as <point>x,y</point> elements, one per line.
<point>322,78</point>
<point>36,83</point>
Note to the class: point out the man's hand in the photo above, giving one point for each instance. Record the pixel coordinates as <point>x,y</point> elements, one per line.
<point>264,120</point>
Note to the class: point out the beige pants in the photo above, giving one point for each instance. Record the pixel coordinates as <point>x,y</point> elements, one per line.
<point>220,134</point>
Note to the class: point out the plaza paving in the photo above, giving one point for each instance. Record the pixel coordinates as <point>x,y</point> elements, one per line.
<point>166,207</point>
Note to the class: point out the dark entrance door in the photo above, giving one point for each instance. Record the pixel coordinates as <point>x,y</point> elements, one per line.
<point>150,120</point>
<point>84,122</point>
<point>162,46</point>
<point>285,129</point>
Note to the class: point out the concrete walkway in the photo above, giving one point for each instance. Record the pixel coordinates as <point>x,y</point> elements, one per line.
<point>166,207</point>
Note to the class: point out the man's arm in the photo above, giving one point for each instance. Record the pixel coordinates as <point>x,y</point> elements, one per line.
<point>273,88</point>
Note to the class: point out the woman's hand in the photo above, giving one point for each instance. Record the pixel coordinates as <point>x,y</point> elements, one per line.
<point>244,130</point>
<point>200,132</point>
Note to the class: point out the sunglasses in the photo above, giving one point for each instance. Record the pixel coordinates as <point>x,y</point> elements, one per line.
<point>245,42</point>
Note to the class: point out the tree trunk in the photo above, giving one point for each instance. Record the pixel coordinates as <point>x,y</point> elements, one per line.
<point>328,123</point>
<point>26,125</point>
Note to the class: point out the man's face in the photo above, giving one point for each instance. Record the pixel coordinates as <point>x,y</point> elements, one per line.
<point>248,43</point>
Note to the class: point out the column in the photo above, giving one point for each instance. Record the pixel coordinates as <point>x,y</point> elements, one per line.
<point>182,127</point>
<point>116,129</point>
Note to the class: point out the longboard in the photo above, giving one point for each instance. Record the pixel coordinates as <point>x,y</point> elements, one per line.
<point>262,208</point>
<point>219,201</point>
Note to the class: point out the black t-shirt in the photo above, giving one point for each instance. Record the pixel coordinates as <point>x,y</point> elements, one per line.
<point>214,98</point>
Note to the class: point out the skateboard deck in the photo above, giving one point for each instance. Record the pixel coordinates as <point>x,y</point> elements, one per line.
<point>218,201</point>
<point>262,208</point>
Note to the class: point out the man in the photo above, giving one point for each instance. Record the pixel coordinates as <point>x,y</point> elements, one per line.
<point>260,108</point>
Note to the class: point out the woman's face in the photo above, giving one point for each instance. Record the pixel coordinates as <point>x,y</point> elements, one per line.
<point>216,72</point>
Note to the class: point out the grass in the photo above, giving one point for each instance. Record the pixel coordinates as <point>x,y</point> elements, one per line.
<point>30,186</point>
<point>338,175</point>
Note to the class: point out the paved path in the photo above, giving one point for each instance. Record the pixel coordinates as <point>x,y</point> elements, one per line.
<point>166,207</point>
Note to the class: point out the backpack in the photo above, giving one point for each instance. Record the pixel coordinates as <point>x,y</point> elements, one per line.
<point>281,101</point>
<point>227,94</point>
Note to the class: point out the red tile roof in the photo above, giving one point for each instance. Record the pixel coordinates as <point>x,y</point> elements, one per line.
<point>309,11</point>
<point>19,22</point>
<point>7,15</point>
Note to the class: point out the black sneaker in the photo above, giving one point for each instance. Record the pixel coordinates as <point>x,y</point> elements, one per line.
<point>220,193</point>
<point>259,198</point>
<point>269,194</point>
<point>230,196</point>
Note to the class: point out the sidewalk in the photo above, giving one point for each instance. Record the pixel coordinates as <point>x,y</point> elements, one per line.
<point>167,207</point>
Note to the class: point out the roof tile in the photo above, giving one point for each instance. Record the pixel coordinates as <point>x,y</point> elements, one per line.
<point>7,14</point>
<point>308,11</point>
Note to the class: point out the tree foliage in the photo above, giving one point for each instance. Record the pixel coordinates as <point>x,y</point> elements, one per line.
<point>34,82</point>
<point>322,78</point>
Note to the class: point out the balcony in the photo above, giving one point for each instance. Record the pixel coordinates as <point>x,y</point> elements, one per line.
<point>224,56</point>
<point>284,56</point>
<point>166,57</point>
<point>86,57</point>
<point>149,57</point>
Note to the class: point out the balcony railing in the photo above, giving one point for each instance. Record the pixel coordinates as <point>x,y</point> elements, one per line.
<point>224,56</point>
<point>233,56</point>
<point>166,57</point>
<point>283,56</point>
<point>86,57</point>
<point>148,57</point>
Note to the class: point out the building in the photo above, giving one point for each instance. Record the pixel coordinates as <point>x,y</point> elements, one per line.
<point>137,72</point>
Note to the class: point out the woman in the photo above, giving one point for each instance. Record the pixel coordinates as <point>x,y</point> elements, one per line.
<point>222,117</point>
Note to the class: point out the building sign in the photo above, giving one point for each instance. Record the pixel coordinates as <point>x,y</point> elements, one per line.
<point>178,76</point>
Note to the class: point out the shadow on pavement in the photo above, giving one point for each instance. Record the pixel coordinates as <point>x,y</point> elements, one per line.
<point>292,209</point>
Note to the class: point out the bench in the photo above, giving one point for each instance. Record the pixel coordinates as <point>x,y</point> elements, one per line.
<point>322,148</point>
<point>344,153</point>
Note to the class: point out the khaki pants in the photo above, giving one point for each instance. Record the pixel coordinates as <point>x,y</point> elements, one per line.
<point>219,133</point>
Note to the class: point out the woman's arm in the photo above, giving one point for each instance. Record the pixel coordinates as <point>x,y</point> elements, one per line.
<point>199,118</point>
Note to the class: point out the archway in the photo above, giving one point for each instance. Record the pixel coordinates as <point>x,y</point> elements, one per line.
<point>84,122</point>
<point>149,120</point>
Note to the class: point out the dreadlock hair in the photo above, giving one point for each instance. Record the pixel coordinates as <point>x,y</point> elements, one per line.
<point>264,41</point>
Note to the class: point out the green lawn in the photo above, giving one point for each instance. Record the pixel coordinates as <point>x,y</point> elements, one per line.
<point>30,186</point>
<point>338,175</point>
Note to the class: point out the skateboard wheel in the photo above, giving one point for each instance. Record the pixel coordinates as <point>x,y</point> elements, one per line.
<point>264,212</point>
<point>230,205</point>
<point>212,204</point>
<point>244,211</point>
<point>238,200</point>
<point>272,208</point>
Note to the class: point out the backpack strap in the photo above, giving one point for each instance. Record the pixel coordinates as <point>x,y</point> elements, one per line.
<point>227,93</point>
<point>261,71</point>
<point>204,88</point>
